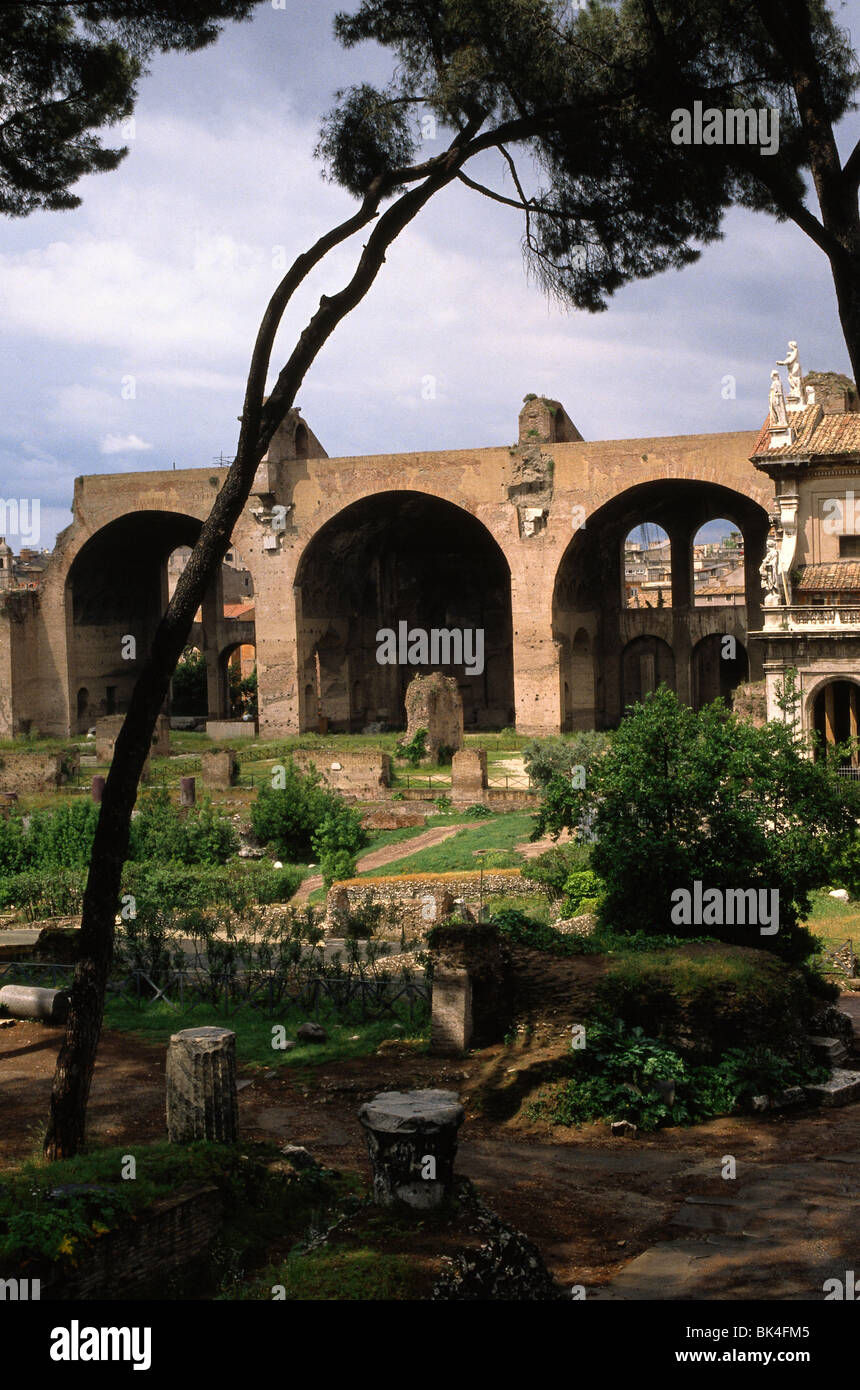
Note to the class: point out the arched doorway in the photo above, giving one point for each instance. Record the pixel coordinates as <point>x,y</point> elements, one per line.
<point>719,665</point>
<point>836,718</point>
<point>401,563</point>
<point>646,663</point>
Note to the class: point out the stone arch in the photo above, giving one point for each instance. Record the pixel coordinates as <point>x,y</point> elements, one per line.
<point>588,587</point>
<point>715,671</point>
<point>117,587</point>
<point>401,557</point>
<point>833,713</point>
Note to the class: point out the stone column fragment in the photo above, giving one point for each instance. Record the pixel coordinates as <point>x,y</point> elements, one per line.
<point>201,1086</point>
<point>412,1141</point>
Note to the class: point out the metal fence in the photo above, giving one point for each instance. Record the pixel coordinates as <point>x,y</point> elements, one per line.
<point>183,991</point>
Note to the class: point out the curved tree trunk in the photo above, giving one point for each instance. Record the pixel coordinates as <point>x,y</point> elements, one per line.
<point>72,1079</point>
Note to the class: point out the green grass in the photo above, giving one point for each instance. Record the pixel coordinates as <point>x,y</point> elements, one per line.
<point>499,834</point>
<point>154,1023</point>
<point>834,921</point>
<point>338,1273</point>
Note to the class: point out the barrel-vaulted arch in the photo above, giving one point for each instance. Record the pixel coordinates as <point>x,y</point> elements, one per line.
<point>589,597</point>
<point>116,590</point>
<point>401,561</point>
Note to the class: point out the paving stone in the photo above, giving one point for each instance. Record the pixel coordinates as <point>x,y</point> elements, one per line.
<point>842,1088</point>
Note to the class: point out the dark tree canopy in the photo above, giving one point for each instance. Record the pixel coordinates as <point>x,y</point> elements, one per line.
<point>587,94</point>
<point>69,70</point>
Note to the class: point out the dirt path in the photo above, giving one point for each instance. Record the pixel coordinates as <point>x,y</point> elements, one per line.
<point>625,1218</point>
<point>377,858</point>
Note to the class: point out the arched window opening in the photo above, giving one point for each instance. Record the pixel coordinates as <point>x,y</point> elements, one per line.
<point>647,567</point>
<point>718,565</point>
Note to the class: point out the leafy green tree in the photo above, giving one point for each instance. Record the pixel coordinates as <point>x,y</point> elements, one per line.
<point>189,684</point>
<point>683,796</point>
<point>584,96</point>
<point>68,70</point>
<point>337,840</point>
<point>304,819</point>
<point>563,754</point>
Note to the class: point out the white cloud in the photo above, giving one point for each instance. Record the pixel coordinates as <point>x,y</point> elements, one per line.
<point>123,444</point>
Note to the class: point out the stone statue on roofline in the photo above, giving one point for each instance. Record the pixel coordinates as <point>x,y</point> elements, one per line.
<point>795,377</point>
<point>778,414</point>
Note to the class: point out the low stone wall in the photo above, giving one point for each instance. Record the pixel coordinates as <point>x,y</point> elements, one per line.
<point>173,1234</point>
<point>394,820</point>
<point>419,901</point>
<point>231,728</point>
<point>362,771</point>
<point>109,726</point>
<point>36,772</point>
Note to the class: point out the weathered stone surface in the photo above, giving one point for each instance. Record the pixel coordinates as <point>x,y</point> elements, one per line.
<point>359,771</point>
<point>830,1050</point>
<point>412,1142</point>
<point>842,1089</point>
<point>187,791</point>
<point>109,726</point>
<point>434,703</point>
<point>201,1086</point>
<point>29,1001</point>
<point>469,774</point>
<point>507,1266</point>
<point>623,1129</point>
<point>36,772</point>
<point>230,728</point>
<point>311,1032</point>
<point>583,925</point>
<point>219,768</point>
<point>471,1002</point>
<point>833,1022</point>
<point>789,1099</point>
<point>419,901</point>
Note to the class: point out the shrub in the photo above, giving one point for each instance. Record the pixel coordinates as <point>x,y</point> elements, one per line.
<point>553,868</point>
<point>582,893</point>
<point>616,1077</point>
<point>337,840</point>
<point>14,852</point>
<point>681,797</point>
<point>516,926</point>
<point>63,838</point>
<point>559,754</point>
<point>160,833</point>
<point>477,811</point>
<point>415,749</point>
<point>59,892</point>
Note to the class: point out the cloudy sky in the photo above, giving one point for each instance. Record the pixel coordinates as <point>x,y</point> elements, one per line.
<point>126,325</point>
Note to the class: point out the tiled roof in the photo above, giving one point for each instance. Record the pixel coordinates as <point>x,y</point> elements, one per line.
<point>816,435</point>
<point>829,578</point>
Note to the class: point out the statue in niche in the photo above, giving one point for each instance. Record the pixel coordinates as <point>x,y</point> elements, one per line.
<point>792,362</point>
<point>769,571</point>
<point>778,412</point>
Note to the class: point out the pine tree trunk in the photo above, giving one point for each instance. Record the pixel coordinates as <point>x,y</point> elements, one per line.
<point>73,1077</point>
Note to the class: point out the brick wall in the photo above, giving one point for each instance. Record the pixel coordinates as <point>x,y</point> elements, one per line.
<point>362,771</point>
<point>170,1236</point>
<point>35,772</point>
